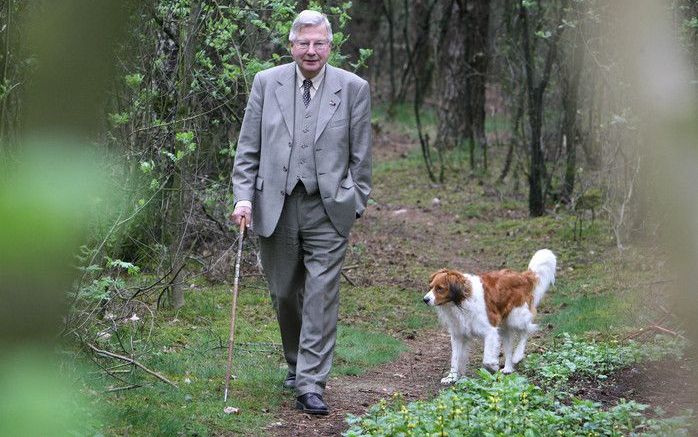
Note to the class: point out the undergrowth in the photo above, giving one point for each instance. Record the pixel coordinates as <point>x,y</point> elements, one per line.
<point>499,405</point>
<point>570,355</point>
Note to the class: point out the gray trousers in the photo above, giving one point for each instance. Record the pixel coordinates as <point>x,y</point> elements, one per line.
<point>302,262</point>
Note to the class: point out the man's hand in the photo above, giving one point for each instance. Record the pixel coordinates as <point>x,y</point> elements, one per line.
<point>240,212</point>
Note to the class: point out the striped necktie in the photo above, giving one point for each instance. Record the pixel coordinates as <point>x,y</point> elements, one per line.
<point>307,83</point>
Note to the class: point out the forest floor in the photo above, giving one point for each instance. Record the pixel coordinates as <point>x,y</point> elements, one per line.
<point>395,238</point>
<point>389,342</point>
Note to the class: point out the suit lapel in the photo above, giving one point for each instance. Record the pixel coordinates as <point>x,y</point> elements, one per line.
<point>286,94</point>
<point>330,100</point>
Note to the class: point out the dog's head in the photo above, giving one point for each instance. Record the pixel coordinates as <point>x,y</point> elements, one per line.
<point>447,286</point>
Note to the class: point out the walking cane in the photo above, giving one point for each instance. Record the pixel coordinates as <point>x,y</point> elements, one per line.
<point>231,339</point>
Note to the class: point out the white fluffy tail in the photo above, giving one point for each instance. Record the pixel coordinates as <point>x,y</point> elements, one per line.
<point>543,264</point>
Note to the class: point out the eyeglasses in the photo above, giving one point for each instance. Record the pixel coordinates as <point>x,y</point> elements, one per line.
<point>318,45</point>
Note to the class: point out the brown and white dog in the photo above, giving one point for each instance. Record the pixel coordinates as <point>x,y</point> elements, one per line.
<point>490,305</point>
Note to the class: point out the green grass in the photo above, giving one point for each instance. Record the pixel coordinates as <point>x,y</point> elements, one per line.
<point>604,294</point>
<point>386,309</point>
<point>189,348</point>
<point>360,350</point>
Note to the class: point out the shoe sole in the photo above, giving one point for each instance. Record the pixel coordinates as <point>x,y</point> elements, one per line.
<point>300,406</point>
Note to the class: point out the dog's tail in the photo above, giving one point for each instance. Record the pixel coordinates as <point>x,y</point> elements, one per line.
<point>543,265</point>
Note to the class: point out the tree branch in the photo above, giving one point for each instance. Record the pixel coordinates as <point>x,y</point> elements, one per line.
<point>132,361</point>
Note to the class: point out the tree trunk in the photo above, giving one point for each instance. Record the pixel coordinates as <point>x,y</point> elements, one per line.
<point>478,15</point>
<point>422,56</point>
<point>515,136</point>
<point>536,201</point>
<point>451,110</point>
<point>390,18</point>
<point>570,94</point>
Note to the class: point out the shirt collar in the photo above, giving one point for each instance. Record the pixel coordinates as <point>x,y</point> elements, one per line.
<point>317,80</point>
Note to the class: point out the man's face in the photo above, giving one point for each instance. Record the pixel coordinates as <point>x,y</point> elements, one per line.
<point>311,49</point>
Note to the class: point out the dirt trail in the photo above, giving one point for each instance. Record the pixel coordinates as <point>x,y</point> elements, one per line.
<point>415,374</point>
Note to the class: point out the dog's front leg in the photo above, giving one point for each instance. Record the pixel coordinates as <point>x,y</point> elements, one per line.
<point>459,351</point>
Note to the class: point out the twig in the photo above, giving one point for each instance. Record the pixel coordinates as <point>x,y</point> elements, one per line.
<point>646,329</point>
<point>348,280</point>
<point>368,390</point>
<point>132,361</point>
<point>128,387</point>
<point>538,347</point>
<point>666,331</point>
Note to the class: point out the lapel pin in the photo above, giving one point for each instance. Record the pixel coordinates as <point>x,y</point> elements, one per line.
<point>332,103</point>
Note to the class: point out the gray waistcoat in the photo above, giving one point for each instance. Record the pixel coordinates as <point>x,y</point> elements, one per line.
<point>301,165</point>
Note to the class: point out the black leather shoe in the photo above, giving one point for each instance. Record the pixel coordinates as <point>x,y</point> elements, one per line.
<point>312,403</point>
<point>290,381</point>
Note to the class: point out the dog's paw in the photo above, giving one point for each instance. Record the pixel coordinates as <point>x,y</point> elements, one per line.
<point>450,378</point>
<point>517,358</point>
<point>491,367</point>
<point>507,370</point>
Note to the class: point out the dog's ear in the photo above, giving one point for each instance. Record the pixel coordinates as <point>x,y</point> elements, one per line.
<point>459,288</point>
<point>433,275</point>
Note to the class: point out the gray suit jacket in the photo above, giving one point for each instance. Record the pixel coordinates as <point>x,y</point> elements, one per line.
<point>342,146</point>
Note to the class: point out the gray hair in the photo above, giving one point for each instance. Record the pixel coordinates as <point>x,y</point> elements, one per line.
<point>309,18</point>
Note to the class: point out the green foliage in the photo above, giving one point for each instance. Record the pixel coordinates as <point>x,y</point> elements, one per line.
<point>129,267</point>
<point>503,405</point>
<point>364,54</point>
<point>100,289</point>
<point>570,356</point>
<point>119,119</point>
<point>134,81</point>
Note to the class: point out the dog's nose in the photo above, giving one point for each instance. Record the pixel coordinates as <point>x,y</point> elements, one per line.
<point>426,300</point>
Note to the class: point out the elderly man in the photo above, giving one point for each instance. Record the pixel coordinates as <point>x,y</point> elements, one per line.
<point>302,176</point>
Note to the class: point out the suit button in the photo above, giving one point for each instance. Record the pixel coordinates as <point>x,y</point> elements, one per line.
<point>283,193</point>
<point>285,169</point>
<point>290,144</point>
<point>304,146</point>
<point>307,115</point>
